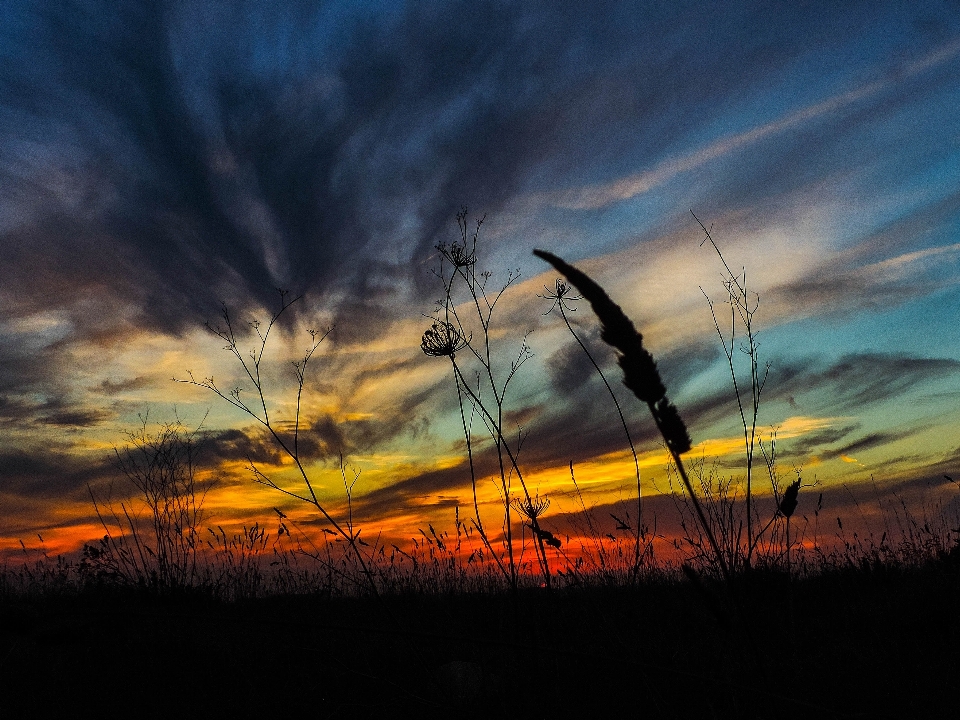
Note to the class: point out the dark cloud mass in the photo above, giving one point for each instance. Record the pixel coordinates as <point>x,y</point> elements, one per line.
<point>873,440</point>
<point>570,368</point>
<point>55,411</point>
<point>50,474</point>
<point>853,383</point>
<point>172,154</point>
<point>76,418</point>
<point>114,387</point>
<point>812,443</point>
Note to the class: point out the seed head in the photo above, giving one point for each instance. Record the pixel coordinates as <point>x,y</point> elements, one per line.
<point>460,256</point>
<point>671,426</point>
<point>788,503</point>
<point>531,508</point>
<point>442,340</point>
<point>561,295</point>
<point>639,370</point>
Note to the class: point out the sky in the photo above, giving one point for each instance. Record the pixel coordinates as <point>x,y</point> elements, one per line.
<point>160,161</point>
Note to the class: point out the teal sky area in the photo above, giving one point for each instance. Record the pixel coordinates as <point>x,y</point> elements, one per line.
<point>159,160</point>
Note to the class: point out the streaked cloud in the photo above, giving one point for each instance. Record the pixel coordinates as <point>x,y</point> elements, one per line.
<point>598,196</point>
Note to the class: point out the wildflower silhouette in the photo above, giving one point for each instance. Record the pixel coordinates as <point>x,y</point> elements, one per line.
<point>442,339</point>
<point>481,389</point>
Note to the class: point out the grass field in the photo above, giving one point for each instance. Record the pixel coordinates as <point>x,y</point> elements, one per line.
<point>873,639</point>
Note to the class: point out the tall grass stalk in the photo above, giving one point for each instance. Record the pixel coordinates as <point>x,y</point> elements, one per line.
<point>641,376</point>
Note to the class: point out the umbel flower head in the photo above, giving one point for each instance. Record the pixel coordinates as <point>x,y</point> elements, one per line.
<point>562,295</point>
<point>459,254</point>
<point>640,372</point>
<point>531,508</point>
<point>442,340</point>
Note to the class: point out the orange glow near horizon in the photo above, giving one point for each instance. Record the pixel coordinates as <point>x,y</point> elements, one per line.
<point>237,501</point>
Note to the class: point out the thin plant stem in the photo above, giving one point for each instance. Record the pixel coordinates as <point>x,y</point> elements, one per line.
<point>741,312</point>
<point>559,299</point>
<point>251,368</point>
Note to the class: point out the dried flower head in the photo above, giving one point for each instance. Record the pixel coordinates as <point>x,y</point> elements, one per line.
<point>531,507</point>
<point>460,256</point>
<point>442,339</point>
<point>562,295</point>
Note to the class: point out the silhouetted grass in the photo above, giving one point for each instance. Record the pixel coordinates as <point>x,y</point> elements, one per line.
<point>872,639</point>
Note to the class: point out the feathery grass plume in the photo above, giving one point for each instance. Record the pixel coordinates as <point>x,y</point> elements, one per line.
<point>639,369</point>
<point>640,372</point>
<point>641,376</point>
<point>789,501</point>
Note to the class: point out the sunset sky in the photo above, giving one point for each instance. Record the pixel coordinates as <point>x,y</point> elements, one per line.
<point>159,159</point>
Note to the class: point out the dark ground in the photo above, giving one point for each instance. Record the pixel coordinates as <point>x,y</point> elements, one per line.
<point>882,643</point>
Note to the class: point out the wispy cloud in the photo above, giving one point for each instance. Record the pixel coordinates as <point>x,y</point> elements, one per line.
<point>859,380</point>
<point>598,196</point>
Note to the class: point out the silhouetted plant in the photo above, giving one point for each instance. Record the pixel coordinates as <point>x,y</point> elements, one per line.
<point>743,306</point>
<point>640,374</point>
<point>732,509</point>
<point>605,558</point>
<point>161,550</point>
<point>35,574</point>
<point>468,304</point>
<point>720,498</point>
<point>258,410</point>
<point>532,509</point>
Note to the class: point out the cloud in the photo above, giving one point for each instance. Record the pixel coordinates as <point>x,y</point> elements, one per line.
<point>187,164</point>
<point>812,443</point>
<point>51,473</point>
<point>250,445</point>
<point>317,149</point>
<point>857,279</point>
<point>848,452</point>
<point>569,367</point>
<point>858,380</point>
<point>435,488</point>
<point>116,387</point>
<point>76,418</point>
<point>61,412</point>
<point>846,101</point>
